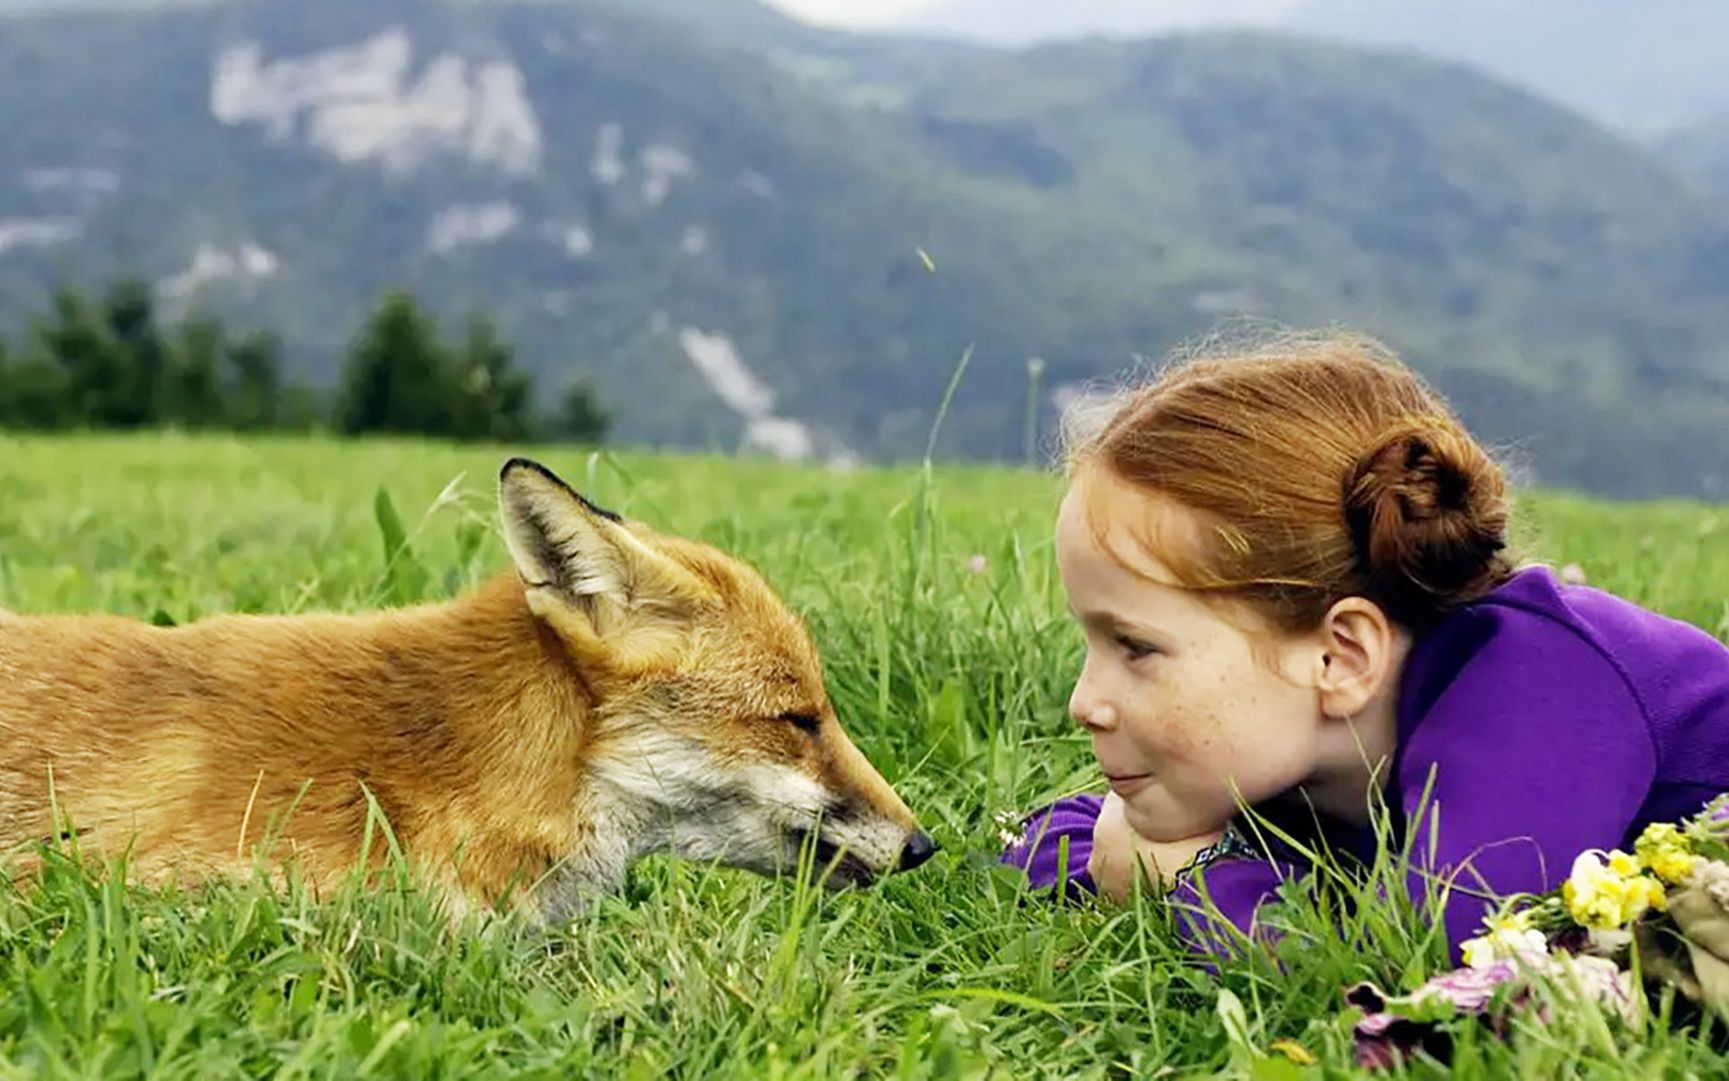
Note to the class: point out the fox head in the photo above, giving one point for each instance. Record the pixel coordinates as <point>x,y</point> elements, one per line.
<point>711,735</point>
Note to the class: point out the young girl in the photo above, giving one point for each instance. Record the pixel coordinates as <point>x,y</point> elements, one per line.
<point>1291,570</point>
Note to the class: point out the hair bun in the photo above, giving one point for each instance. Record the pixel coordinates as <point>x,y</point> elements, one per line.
<point>1428,517</point>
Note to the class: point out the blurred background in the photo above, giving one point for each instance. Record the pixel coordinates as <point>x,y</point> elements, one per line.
<point>778,228</point>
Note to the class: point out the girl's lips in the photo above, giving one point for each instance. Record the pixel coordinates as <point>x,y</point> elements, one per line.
<point>1127,784</point>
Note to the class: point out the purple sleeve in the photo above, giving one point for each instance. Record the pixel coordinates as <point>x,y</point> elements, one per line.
<point>1539,751</point>
<point>1057,841</point>
<point>1055,844</point>
<point>1216,906</point>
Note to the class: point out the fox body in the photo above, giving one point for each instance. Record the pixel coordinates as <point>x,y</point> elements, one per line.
<point>618,692</point>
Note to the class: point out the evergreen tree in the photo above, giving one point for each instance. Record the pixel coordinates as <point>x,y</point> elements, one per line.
<point>195,396</point>
<point>72,349</point>
<point>255,365</point>
<point>141,365</point>
<point>581,418</point>
<point>492,397</point>
<point>396,378</point>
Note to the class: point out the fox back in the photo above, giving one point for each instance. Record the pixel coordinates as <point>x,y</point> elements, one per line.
<point>617,692</point>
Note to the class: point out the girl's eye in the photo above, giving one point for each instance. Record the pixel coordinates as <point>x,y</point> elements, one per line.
<point>1134,648</point>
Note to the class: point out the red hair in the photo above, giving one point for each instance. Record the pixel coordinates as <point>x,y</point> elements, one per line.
<point>1320,468</point>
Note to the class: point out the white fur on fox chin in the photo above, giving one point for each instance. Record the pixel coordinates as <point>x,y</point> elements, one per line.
<point>652,791</point>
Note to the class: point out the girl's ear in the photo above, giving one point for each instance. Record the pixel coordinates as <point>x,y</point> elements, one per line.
<point>1360,651</point>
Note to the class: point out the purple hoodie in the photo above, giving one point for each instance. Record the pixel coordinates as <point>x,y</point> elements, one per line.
<point>1555,719</point>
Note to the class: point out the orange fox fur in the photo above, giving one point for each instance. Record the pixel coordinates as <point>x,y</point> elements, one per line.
<point>618,692</point>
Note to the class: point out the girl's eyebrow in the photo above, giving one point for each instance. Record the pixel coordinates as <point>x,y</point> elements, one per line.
<point>1115,621</point>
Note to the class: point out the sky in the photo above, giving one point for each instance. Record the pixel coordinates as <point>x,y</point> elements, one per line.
<point>851,12</point>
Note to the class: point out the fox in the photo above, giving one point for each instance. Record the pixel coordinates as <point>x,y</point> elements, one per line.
<point>615,691</point>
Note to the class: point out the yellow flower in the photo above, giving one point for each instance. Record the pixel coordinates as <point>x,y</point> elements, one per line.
<point>1673,867</point>
<point>1605,896</point>
<point>1665,850</point>
<point>1660,835</point>
<point>1655,896</point>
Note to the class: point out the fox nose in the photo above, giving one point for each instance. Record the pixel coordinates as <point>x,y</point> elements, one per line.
<point>920,847</point>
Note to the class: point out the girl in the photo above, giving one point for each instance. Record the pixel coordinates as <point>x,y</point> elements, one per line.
<point>1291,570</point>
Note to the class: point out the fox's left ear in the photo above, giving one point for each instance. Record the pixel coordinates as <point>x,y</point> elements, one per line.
<point>585,572</point>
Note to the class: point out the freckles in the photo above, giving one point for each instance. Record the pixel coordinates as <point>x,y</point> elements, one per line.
<point>1236,727</point>
<point>1192,735</point>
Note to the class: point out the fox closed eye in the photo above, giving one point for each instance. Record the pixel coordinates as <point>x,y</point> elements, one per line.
<point>807,722</point>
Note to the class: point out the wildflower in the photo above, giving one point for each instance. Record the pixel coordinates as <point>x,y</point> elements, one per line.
<point>978,564</point>
<point>1606,895</point>
<point>1659,835</point>
<point>1512,921</point>
<point>1712,817</point>
<point>1505,942</point>
<point>1603,982</point>
<point>1609,944</point>
<point>1011,829</point>
<point>1665,850</point>
<point>1392,1026</point>
<point>1573,574</point>
<point>1466,990</point>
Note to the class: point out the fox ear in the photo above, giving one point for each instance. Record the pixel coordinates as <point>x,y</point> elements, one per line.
<point>584,571</point>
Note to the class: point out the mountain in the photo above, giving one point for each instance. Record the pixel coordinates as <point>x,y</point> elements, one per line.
<point>1701,150</point>
<point>36,7</point>
<point>755,233</point>
<point>1643,67</point>
<point>1030,22</point>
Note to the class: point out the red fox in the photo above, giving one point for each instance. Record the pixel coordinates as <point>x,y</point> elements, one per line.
<point>618,692</point>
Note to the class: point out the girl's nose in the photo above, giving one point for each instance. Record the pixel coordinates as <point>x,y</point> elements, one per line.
<point>1089,710</point>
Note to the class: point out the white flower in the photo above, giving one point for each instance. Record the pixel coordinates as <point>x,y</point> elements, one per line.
<point>1524,946</point>
<point>1603,982</point>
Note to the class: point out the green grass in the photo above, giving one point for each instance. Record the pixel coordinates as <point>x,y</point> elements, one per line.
<point>953,682</point>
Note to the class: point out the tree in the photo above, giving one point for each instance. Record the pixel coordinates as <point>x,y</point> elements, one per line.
<point>396,376</point>
<point>492,399</point>
<point>581,418</point>
<point>71,351</point>
<point>110,364</point>
<point>255,365</point>
<point>195,395</point>
<point>141,360</point>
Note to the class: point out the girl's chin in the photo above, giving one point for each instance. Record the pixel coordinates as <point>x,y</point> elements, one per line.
<point>1157,821</point>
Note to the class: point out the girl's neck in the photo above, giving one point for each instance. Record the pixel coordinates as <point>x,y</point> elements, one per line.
<point>1356,753</point>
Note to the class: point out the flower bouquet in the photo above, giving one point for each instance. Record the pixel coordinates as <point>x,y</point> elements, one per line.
<point>1661,912</point>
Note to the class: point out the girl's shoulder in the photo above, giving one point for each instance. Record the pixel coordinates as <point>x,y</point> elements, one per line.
<point>1536,630</point>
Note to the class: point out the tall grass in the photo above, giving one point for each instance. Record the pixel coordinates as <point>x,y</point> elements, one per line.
<point>949,670</point>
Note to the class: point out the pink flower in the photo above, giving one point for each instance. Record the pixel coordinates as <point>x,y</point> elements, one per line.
<point>1393,1026</point>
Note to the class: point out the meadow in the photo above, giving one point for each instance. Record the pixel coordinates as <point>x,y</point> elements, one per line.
<point>933,598</point>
